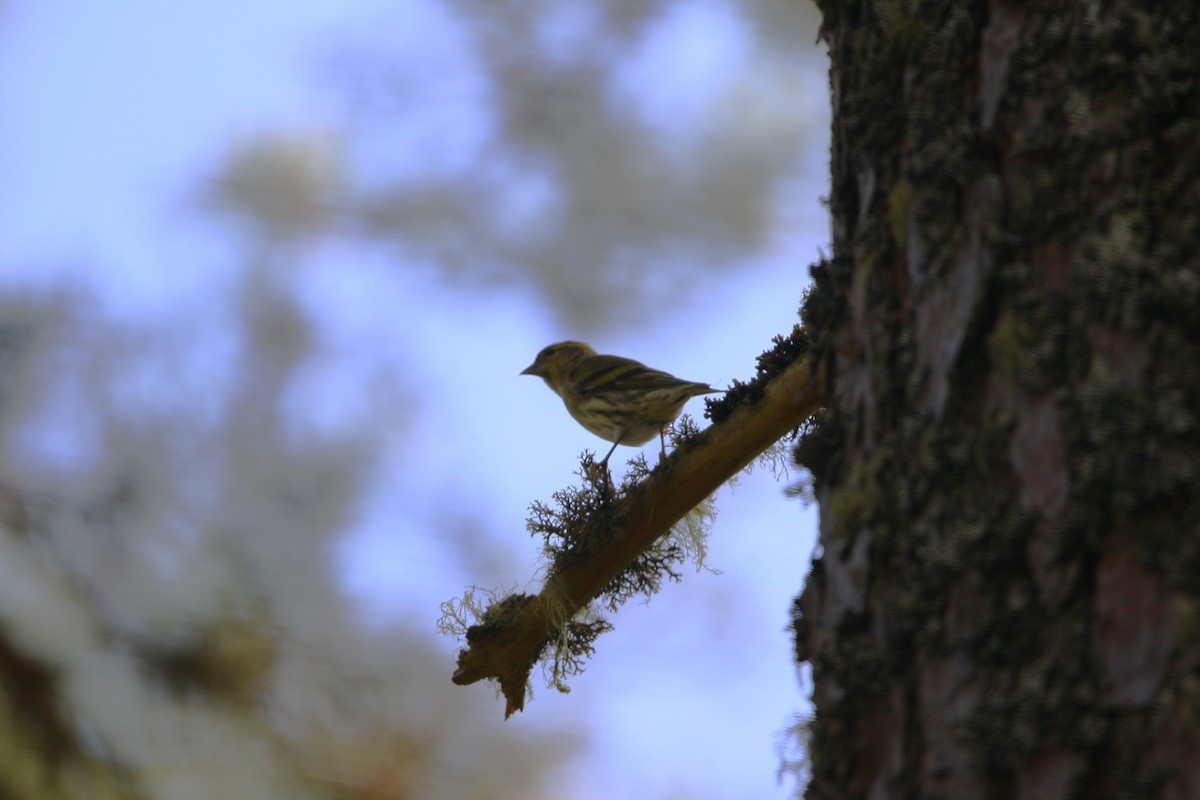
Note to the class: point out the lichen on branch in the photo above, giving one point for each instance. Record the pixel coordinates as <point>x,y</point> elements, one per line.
<point>606,544</point>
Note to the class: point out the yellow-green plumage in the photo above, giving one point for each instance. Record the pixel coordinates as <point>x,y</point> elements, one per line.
<point>618,399</point>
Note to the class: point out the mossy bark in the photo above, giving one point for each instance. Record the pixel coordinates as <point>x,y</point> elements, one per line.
<point>1007,598</point>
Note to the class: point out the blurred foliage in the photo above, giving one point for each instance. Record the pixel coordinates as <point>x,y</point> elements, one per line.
<point>169,624</point>
<point>608,156</point>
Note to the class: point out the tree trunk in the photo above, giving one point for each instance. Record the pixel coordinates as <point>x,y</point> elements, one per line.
<point>1007,598</point>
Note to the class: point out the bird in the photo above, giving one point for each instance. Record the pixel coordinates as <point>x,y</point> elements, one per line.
<point>618,399</point>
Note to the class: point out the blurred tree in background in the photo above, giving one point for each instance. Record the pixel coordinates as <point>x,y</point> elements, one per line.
<point>610,154</point>
<point>171,625</point>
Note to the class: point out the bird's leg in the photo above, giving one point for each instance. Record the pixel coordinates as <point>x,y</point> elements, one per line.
<point>602,467</point>
<point>604,461</point>
<point>662,440</point>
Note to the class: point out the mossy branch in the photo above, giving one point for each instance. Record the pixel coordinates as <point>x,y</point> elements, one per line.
<point>508,643</point>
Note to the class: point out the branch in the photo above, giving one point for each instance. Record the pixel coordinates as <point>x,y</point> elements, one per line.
<point>508,644</point>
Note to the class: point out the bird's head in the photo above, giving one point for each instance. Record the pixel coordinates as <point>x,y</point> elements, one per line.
<point>555,362</point>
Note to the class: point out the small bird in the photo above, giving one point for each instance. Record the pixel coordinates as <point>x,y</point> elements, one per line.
<point>618,399</point>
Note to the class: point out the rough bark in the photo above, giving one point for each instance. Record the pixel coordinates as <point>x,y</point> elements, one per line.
<point>1007,601</point>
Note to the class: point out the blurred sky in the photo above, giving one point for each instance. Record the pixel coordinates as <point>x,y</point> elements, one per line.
<point>112,113</point>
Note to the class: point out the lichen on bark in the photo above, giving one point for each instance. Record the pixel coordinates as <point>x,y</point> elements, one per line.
<point>1008,466</point>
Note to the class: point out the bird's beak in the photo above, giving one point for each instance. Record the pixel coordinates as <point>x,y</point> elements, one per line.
<point>531,370</point>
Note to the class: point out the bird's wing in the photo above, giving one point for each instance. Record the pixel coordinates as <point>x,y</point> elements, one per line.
<point>617,374</point>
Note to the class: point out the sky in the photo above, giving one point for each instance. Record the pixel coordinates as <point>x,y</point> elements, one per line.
<point>111,112</point>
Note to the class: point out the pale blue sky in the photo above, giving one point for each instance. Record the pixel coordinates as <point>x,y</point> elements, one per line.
<point>111,112</point>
